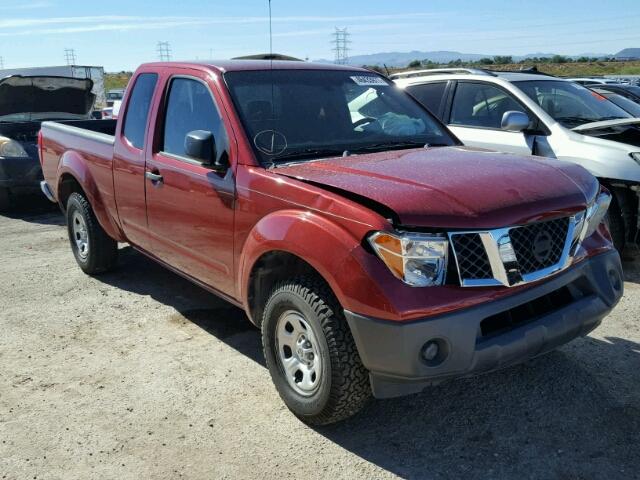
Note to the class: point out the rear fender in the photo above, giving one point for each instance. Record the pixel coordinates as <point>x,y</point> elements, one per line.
<point>73,164</point>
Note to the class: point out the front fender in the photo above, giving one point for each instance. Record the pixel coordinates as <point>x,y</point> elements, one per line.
<point>335,253</point>
<point>75,165</point>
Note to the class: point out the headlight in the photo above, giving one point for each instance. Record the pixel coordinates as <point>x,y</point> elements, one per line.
<point>11,148</point>
<point>594,216</point>
<point>636,156</point>
<point>419,260</point>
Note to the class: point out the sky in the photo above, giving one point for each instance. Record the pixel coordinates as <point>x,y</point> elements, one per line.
<point>121,34</point>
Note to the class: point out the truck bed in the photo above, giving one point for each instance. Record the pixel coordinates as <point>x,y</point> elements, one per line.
<point>93,140</point>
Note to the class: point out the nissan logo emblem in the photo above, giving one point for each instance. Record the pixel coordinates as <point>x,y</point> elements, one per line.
<point>542,246</point>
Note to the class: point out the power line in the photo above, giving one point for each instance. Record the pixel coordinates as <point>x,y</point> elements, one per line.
<point>341,45</point>
<point>70,56</point>
<point>164,51</point>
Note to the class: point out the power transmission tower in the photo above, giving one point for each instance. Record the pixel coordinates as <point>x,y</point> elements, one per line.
<point>164,51</point>
<point>70,56</point>
<point>341,45</point>
<point>1,63</point>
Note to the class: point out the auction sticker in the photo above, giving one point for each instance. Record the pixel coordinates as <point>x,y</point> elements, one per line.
<point>369,81</point>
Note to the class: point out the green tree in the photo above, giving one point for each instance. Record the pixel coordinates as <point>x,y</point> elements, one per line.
<point>415,64</point>
<point>485,61</point>
<point>502,59</point>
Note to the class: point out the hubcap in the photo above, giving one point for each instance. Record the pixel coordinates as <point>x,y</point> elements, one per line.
<point>297,353</point>
<point>80,234</point>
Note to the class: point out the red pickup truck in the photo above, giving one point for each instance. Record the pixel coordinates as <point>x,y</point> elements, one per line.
<point>377,255</point>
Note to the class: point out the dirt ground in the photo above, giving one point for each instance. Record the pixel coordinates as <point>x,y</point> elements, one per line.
<point>138,374</point>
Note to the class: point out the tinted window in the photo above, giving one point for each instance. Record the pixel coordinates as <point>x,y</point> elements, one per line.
<point>189,107</point>
<point>135,124</point>
<point>481,105</point>
<point>569,103</point>
<point>430,94</point>
<point>306,114</point>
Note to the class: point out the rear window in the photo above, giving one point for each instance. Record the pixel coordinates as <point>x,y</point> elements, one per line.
<point>135,122</point>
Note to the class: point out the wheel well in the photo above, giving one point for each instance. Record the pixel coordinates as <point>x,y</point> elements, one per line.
<point>68,185</point>
<point>627,201</point>
<point>271,268</point>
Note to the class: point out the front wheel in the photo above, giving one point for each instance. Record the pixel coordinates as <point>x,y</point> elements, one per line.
<point>311,354</point>
<point>94,250</point>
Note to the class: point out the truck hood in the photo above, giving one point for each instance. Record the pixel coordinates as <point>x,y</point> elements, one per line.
<point>31,98</point>
<point>453,187</point>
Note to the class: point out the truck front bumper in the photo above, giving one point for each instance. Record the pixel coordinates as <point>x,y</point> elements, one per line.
<point>406,357</point>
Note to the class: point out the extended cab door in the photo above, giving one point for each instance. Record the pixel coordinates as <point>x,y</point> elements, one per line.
<point>475,117</point>
<point>129,160</point>
<point>190,206</point>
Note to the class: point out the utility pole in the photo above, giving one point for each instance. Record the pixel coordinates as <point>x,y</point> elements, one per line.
<point>341,45</point>
<point>70,56</point>
<point>164,51</point>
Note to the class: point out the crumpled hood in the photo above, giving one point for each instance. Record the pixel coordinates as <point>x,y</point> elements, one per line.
<point>455,187</point>
<point>44,94</point>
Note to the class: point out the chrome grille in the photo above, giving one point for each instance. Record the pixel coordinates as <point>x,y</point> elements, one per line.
<point>524,239</point>
<point>514,255</point>
<point>473,261</point>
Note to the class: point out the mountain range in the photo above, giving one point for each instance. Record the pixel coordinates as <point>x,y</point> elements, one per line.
<point>401,59</point>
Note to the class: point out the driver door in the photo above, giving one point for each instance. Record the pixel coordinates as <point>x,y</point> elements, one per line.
<point>190,207</point>
<point>476,114</point>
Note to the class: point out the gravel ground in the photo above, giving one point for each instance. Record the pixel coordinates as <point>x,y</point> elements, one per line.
<point>139,374</point>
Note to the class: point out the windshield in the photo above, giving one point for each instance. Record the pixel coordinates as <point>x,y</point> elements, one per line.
<point>571,104</point>
<point>627,105</point>
<point>298,114</point>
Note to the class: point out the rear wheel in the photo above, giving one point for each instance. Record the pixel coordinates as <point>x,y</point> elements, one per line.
<point>5,199</point>
<point>93,249</point>
<point>311,354</point>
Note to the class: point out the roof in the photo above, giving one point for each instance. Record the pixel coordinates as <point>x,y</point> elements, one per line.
<point>416,77</point>
<point>241,65</point>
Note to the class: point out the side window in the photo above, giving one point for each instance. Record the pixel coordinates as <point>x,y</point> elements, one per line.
<point>429,94</point>
<point>190,107</point>
<point>135,122</point>
<point>481,105</point>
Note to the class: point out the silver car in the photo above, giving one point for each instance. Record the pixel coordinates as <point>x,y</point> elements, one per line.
<point>531,113</point>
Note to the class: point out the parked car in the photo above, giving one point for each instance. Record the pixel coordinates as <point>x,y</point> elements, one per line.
<point>24,103</point>
<point>594,81</point>
<point>114,95</point>
<point>377,255</point>
<point>629,106</point>
<point>531,113</point>
<point>632,92</point>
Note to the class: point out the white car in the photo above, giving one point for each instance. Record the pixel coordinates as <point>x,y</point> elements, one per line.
<point>531,113</point>
<point>594,81</point>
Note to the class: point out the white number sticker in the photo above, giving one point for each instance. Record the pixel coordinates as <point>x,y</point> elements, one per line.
<point>368,80</point>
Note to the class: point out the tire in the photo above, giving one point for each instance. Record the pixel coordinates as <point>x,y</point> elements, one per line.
<point>617,226</point>
<point>5,199</point>
<point>93,249</point>
<point>341,385</point>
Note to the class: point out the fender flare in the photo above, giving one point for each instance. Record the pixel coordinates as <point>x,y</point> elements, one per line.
<point>73,164</point>
<point>334,252</point>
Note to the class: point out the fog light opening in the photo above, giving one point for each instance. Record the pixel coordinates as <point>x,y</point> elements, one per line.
<point>434,352</point>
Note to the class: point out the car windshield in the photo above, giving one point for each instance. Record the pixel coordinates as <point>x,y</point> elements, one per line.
<point>627,105</point>
<point>291,115</point>
<point>571,104</point>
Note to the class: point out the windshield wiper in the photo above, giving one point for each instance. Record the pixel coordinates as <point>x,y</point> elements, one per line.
<point>380,147</point>
<point>306,154</point>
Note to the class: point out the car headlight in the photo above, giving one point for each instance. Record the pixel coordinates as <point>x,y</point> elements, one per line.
<point>588,222</point>
<point>419,260</point>
<point>11,148</point>
<point>636,156</point>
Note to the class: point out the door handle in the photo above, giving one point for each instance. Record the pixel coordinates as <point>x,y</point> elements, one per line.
<point>154,177</point>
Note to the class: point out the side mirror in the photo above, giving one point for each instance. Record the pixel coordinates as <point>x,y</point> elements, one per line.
<point>200,145</point>
<point>514,121</point>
